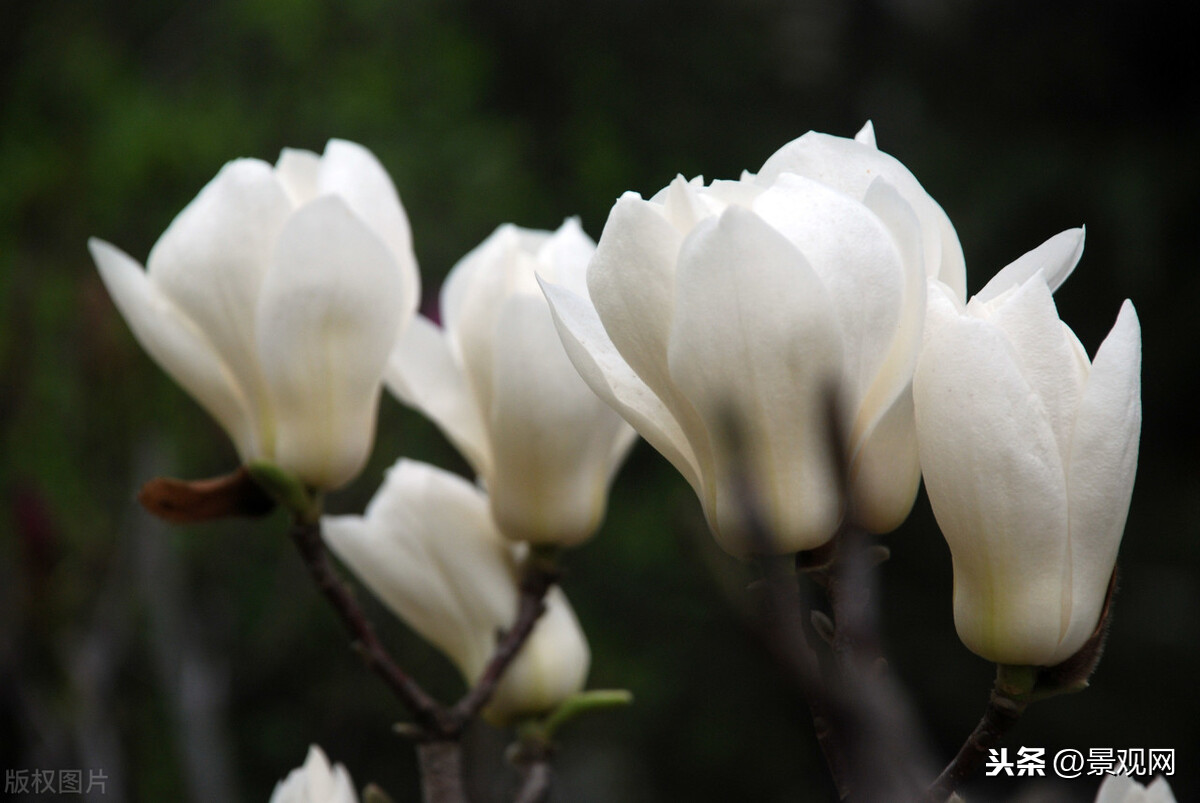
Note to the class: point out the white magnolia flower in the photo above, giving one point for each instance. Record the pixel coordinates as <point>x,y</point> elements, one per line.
<point>427,547</point>
<point>274,299</point>
<point>496,380</point>
<point>742,301</point>
<point>1029,452</point>
<point>1123,789</point>
<point>315,782</point>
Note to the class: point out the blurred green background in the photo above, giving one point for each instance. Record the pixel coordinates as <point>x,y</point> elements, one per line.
<point>197,663</point>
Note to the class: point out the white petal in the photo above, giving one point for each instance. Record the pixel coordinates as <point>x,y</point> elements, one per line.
<point>866,135</point>
<point>1159,791</point>
<point>660,197</point>
<point>1104,451</point>
<point>211,261</point>
<point>427,548</point>
<point>564,257</point>
<point>550,433</point>
<point>886,472</point>
<point>175,342</point>
<point>470,301</point>
<point>422,373</point>
<point>1056,259</point>
<point>1046,357</point>
<point>850,167</point>
<point>1119,789</point>
<point>942,307</point>
<point>682,205</point>
<point>610,377</point>
<point>453,294</point>
<point>632,285</point>
<point>996,483</point>
<point>854,255</point>
<point>298,172</point>
<point>328,318</point>
<point>893,377</point>
<point>315,782</point>
<point>754,342</point>
<point>352,172</point>
<point>721,194</point>
<point>1123,789</point>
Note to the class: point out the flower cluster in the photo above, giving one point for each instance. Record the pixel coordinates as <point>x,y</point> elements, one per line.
<point>798,343</point>
<point>282,296</point>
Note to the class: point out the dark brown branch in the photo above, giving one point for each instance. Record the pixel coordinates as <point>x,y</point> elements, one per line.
<point>782,620</point>
<point>431,716</point>
<point>441,771</point>
<point>879,735</point>
<point>787,638</point>
<point>863,720</point>
<point>1001,714</point>
<point>535,787</point>
<point>533,759</point>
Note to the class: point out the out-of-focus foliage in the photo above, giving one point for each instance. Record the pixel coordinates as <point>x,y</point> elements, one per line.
<point>197,663</point>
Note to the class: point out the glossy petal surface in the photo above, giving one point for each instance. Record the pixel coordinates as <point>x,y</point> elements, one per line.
<point>328,316</point>
<point>498,380</point>
<point>744,345</point>
<point>996,483</point>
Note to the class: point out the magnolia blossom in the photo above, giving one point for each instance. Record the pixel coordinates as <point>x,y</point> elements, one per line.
<point>498,383</point>
<point>274,299</point>
<point>741,303</point>
<point>315,782</point>
<point>1029,452</point>
<point>427,547</point>
<point>1123,789</point>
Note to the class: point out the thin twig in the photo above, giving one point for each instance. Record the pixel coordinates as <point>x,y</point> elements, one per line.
<point>879,734</point>
<point>431,716</point>
<point>788,640</point>
<point>1002,713</point>
<point>782,618</point>
<point>880,738</point>
<point>535,584</point>
<point>863,720</point>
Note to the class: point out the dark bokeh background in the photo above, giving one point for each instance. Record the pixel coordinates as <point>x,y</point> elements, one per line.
<point>197,664</point>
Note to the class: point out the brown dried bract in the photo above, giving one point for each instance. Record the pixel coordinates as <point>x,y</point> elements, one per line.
<point>191,501</point>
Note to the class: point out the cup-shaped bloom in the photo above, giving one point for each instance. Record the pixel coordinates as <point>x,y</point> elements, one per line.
<point>1029,452</point>
<point>315,782</point>
<point>428,548</point>
<point>274,298</point>
<point>496,380</point>
<point>1123,789</point>
<point>742,303</point>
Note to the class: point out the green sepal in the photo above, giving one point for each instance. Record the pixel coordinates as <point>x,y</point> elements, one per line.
<point>541,731</point>
<point>287,490</point>
<point>1016,682</point>
<point>373,794</point>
